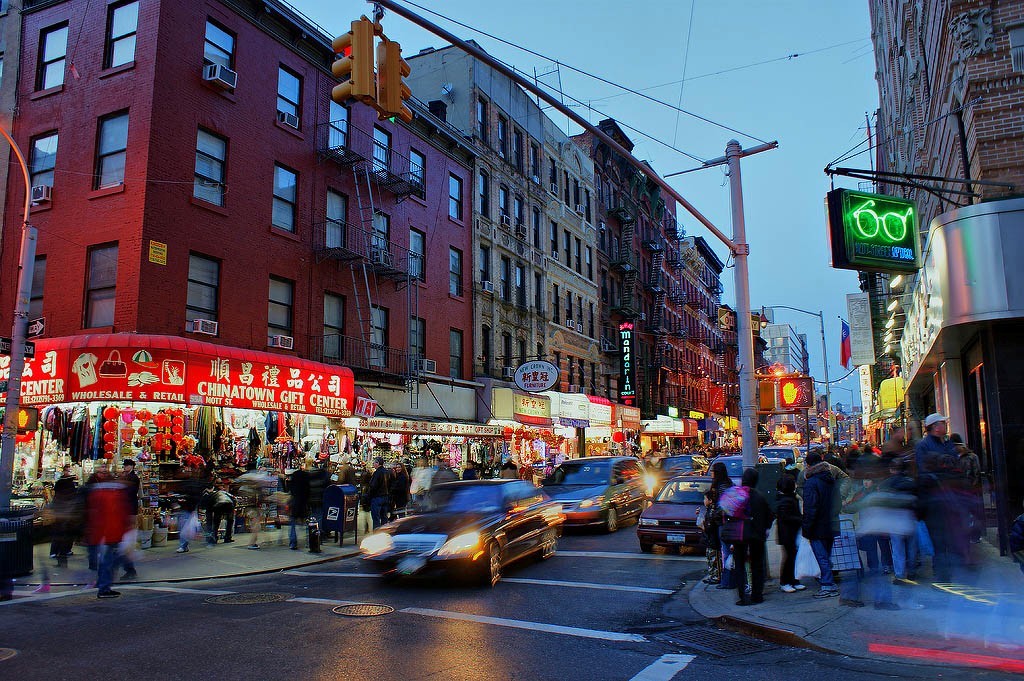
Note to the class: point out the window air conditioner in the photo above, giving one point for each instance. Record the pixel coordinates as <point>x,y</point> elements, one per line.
<point>204,326</point>
<point>283,342</point>
<point>220,75</point>
<point>41,193</point>
<point>291,120</point>
<point>573,388</point>
<point>570,324</point>
<point>508,372</point>
<point>520,230</point>
<point>425,366</point>
<point>554,188</point>
<point>379,256</point>
<point>579,326</point>
<point>536,179</point>
<point>487,286</point>
<point>506,220</point>
<point>580,208</point>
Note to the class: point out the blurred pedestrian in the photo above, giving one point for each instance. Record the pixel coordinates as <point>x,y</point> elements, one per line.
<point>378,493</point>
<point>934,444</point>
<point>470,472</point>
<point>1017,541</point>
<point>134,485</point>
<point>902,491</point>
<point>190,496</point>
<point>787,532</point>
<point>821,519</point>
<point>399,489</point>
<point>420,482</point>
<point>720,482</point>
<point>107,521</point>
<point>298,502</point>
<point>220,508</point>
<point>444,473</point>
<point>970,468</point>
<point>66,513</point>
<point>752,547</point>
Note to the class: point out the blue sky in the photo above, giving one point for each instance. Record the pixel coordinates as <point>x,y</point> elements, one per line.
<point>813,104</point>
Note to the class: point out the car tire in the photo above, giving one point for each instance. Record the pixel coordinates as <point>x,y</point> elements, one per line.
<point>611,523</point>
<point>646,547</point>
<point>490,570</point>
<point>548,544</point>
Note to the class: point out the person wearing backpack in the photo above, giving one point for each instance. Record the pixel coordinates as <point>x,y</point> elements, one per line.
<point>755,519</point>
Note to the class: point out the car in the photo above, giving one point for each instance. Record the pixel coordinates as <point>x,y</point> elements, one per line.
<point>472,528</point>
<point>734,466</point>
<point>671,520</point>
<point>778,452</point>
<point>599,490</point>
<point>671,466</point>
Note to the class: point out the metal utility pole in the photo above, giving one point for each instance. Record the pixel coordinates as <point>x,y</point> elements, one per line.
<point>26,264</point>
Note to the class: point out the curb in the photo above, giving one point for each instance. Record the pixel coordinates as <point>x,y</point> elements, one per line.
<point>250,573</point>
<point>778,635</point>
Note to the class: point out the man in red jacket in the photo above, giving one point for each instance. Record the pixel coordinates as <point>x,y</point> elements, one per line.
<point>108,510</point>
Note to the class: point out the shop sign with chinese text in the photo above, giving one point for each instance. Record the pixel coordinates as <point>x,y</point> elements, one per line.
<point>411,427</point>
<point>536,376</point>
<point>534,409</point>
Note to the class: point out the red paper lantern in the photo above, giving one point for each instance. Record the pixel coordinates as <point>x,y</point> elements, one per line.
<point>178,421</point>
<point>161,420</point>
<point>177,430</point>
<point>176,438</point>
<point>143,430</point>
<point>110,413</point>
<point>109,447</point>
<point>109,426</point>
<point>618,436</point>
<point>158,441</point>
<point>143,415</point>
<point>109,437</point>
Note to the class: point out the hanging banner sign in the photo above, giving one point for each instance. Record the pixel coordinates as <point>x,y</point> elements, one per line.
<point>407,427</point>
<point>862,342</point>
<point>627,368</point>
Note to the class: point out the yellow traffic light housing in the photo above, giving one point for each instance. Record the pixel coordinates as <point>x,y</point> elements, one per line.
<point>356,63</point>
<point>392,91</point>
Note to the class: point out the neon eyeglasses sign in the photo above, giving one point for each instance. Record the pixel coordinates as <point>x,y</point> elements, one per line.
<point>872,231</point>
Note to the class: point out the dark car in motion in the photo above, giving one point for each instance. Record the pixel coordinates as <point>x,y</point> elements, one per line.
<point>672,519</point>
<point>676,464</point>
<point>598,490</point>
<point>473,528</point>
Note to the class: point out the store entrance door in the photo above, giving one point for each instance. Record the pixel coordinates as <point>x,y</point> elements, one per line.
<point>978,435</point>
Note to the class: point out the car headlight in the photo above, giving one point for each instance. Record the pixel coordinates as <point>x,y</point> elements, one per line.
<point>377,543</point>
<point>648,521</point>
<point>460,544</point>
<point>593,501</point>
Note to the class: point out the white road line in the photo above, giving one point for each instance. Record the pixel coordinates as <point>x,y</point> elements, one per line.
<point>308,573</point>
<point>321,601</point>
<point>530,626</point>
<point>664,668</point>
<point>35,598</point>
<point>588,585</point>
<point>620,554</point>
<point>176,590</point>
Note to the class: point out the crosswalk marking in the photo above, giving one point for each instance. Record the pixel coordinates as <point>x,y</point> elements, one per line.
<point>531,626</point>
<point>35,598</point>
<point>588,585</point>
<point>631,556</point>
<point>664,668</point>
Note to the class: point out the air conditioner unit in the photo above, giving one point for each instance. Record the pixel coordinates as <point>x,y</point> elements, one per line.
<point>487,286</point>
<point>520,230</point>
<point>291,120</point>
<point>554,255</point>
<point>554,188</point>
<point>579,326</point>
<point>425,366</point>
<point>580,208</point>
<point>220,75</point>
<point>380,256</point>
<point>573,388</point>
<point>642,316</point>
<point>203,326</point>
<point>536,179</point>
<point>571,324</point>
<point>41,193</point>
<point>501,154</point>
<point>508,372</point>
<point>283,342</point>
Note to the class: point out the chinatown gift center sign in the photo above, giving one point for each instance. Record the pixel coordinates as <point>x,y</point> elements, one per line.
<point>872,232</point>
<point>409,427</point>
<point>138,368</point>
<point>627,368</point>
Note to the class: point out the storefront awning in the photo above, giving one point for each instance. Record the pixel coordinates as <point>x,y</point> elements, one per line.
<point>600,411</point>
<point>572,409</point>
<point>663,425</point>
<point>626,417</point>
<point>126,367</point>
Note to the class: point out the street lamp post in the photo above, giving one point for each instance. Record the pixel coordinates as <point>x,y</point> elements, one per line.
<point>18,333</point>
<point>824,357</point>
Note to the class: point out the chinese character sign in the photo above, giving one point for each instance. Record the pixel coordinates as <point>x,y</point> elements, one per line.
<point>627,372</point>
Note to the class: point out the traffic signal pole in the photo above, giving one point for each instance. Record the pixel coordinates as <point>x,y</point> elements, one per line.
<point>737,245</point>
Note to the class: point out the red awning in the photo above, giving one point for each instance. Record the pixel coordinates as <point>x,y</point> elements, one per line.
<point>126,367</point>
<point>600,400</point>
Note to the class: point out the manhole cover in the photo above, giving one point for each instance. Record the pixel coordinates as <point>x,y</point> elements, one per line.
<point>715,642</point>
<point>362,610</point>
<point>248,598</point>
<point>7,653</point>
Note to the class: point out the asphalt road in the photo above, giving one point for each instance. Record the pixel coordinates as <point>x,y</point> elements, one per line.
<point>598,610</point>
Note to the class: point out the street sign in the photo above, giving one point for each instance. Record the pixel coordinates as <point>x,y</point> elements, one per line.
<point>5,348</point>
<point>872,232</point>
<point>36,327</point>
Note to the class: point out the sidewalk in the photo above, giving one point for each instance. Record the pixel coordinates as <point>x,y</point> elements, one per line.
<point>977,621</point>
<point>162,564</point>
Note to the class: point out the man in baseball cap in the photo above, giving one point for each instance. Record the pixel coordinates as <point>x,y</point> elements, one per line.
<point>934,444</point>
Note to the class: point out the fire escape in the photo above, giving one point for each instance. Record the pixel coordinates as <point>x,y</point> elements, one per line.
<point>625,260</point>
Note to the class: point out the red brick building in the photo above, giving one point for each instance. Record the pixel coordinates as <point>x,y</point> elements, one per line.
<point>190,165</point>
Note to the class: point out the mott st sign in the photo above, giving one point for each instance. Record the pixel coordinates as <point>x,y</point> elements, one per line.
<point>872,232</point>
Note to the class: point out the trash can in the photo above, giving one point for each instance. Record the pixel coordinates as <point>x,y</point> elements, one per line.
<point>16,541</point>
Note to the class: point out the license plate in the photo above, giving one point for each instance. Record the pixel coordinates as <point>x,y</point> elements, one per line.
<point>410,565</point>
<point>680,538</point>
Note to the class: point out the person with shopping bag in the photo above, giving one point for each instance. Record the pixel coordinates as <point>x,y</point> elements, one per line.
<point>821,520</point>
<point>746,526</point>
<point>787,532</point>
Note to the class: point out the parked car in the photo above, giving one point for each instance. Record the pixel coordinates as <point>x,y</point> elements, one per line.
<point>599,490</point>
<point>671,520</point>
<point>471,528</point>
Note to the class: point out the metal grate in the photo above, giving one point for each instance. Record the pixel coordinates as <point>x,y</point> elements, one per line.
<point>715,641</point>
<point>362,610</point>
<point>248,598</point>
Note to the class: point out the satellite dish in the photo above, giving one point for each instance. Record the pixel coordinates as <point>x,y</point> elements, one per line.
<point>448,92</point>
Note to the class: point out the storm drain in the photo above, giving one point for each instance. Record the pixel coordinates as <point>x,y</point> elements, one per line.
<point>362,610</point>
<point>248,598</point>
<point>715,642</point>
<point>7,653</point>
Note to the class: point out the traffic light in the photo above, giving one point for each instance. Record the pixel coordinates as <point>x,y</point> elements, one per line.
<point>391,89</point>
<point>356,63</point>
<point>766,396</point>
<point>795,393</point>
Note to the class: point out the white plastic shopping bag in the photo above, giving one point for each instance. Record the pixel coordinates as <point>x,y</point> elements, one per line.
<point>806,563</point>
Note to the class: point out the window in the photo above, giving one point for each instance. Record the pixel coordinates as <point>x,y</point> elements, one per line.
<point>381,150</point>
<point>211,154</point>
<point>100,286</point>
<point>485,263</point>
<point>517,149</point>
<point>378,336</point>
<point>538,292</point>
<point>53,49</point>
<point>506,274</point>
<point>576,255</point>
<point>35,301</point>
<point>586,205</point>
<point>522,351</point>
<point>289,90</point>
<point>417,254</point>
<point>336,229</point>
<point>553,174</point>
<point>590,318</point>
<point>567,243</point>
<point>334,326</point>
<point>481,120</point>
<point>42,159</point>
<point>518,208</point>
<point>417,168</point>
<point>535,161</point>
<point>285,182</point>
<point>604,286</point>
<point>110,150</point>
<point>503,200</point>
<point>203,288</point>
<point>536,227</point>
<point>571,366</point>
<point>485,347</point>
<point>122,24</point>
<point>219,47</point>
<point>556,304</point>
<point>502,137</point>
<point>455,353</point>
<point>590,263</point>
<point>337,128</point>
<point>380,239</point>
<point>565,186</point>
<point>506,350</point>
<point>568,305</point>
<point>454,272</point>
<point>554,239</point>
<point>279,309</point>
<point>417,337</point>
<point>576,198</point>
<point>454,197</point>
<point>520,285</point>
<point>484,190</point>
<point>540,351</point>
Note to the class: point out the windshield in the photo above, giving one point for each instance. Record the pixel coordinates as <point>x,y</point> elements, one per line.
<point>467,499</point>
<point>672,463</point>
<point>581,473</point>
<point>681,493</point>
<point>734,467</point>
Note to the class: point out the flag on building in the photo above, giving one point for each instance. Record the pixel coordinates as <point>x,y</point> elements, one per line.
<point>846,351</point>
